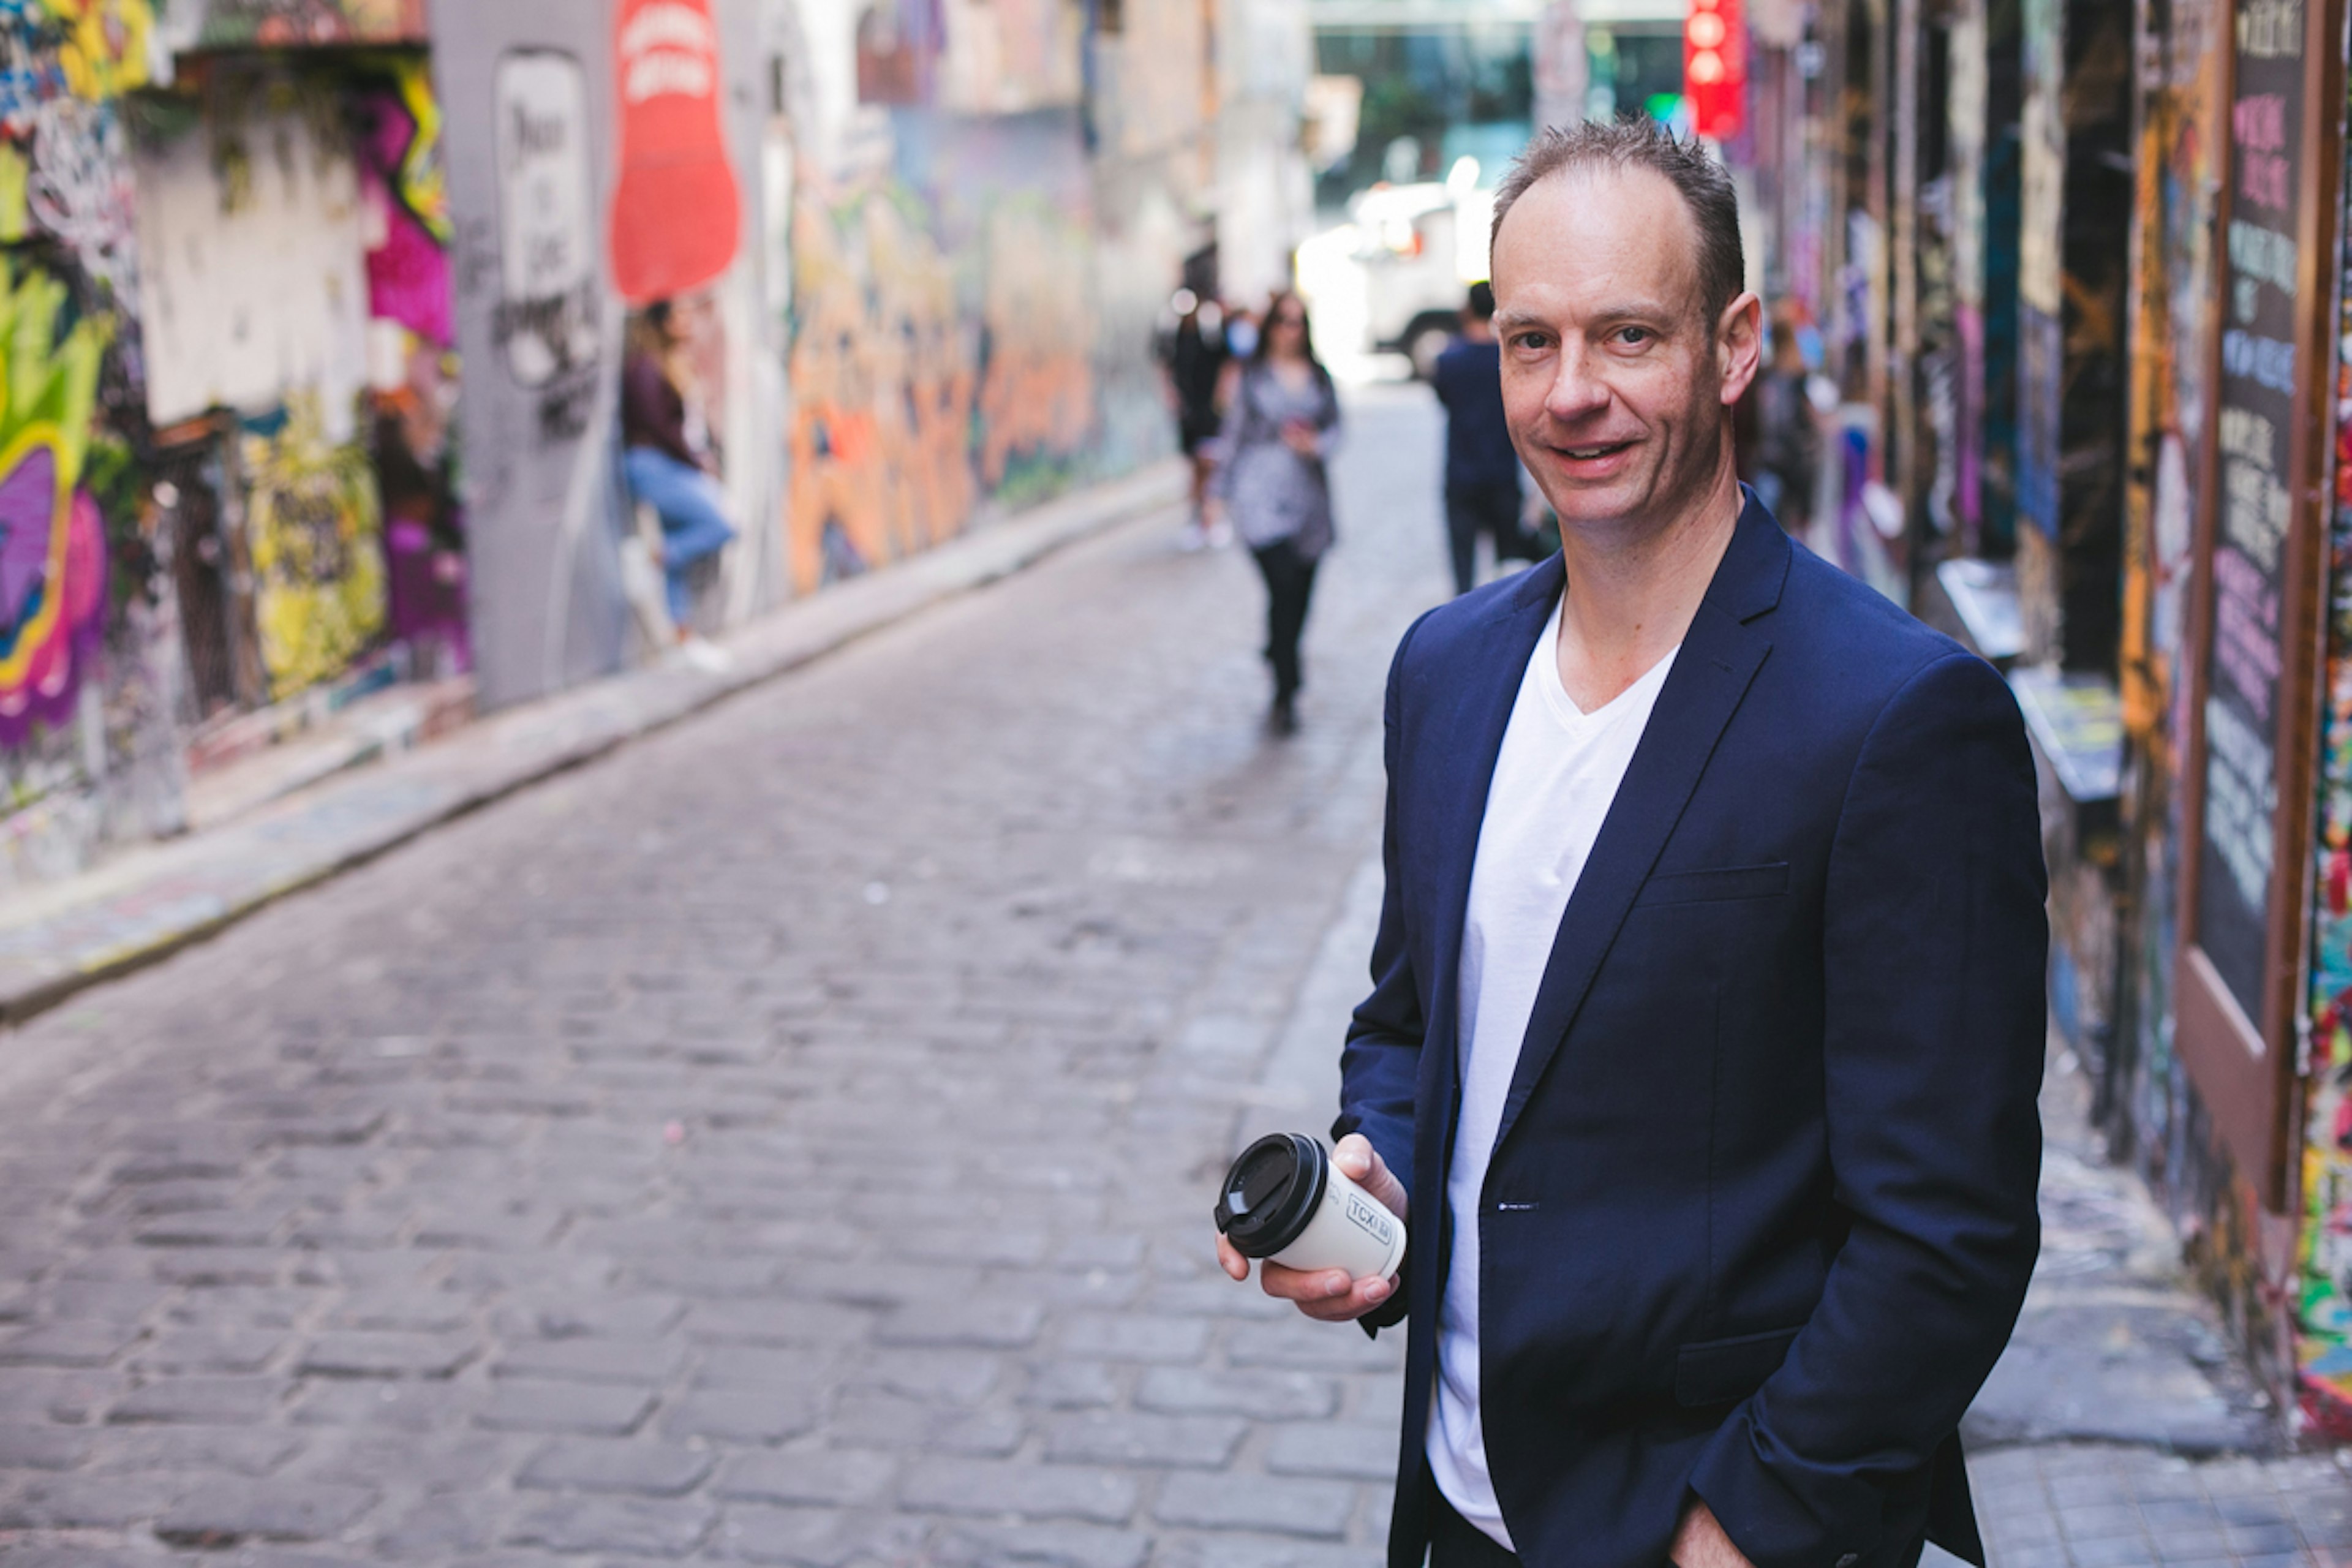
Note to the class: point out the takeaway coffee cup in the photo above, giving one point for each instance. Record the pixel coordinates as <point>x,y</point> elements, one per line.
<point>1286,1200</point>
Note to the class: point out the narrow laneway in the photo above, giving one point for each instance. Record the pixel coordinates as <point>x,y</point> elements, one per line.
<point>792,1140</point>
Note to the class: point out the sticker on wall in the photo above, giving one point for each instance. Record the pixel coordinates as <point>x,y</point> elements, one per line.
<point>677,214</point>
<point>547,307</point>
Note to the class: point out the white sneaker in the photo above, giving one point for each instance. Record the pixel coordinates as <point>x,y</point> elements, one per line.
<point>704,656</point>
<point>1219,536</point>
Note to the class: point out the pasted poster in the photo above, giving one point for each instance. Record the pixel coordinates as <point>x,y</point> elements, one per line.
<point>2256,414</point>
<point>676,214</point>
<point>548,301</point>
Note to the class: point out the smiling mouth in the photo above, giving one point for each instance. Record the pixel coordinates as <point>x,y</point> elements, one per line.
<point>1588,454</point>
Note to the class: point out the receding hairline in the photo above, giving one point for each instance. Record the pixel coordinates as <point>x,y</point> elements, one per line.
<point>1699,180</point>
<point>1694,268</point>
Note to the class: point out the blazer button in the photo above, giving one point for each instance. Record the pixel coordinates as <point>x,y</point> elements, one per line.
<point>1849,1560</point>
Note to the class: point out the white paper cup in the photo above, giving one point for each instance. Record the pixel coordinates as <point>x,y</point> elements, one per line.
<point>1284,1199</point>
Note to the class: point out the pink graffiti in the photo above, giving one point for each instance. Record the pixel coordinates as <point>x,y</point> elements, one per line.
<point>409,273</point>
<point>43,656</point>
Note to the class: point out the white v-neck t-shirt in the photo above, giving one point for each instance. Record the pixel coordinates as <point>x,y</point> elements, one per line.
<point>1554,779</point>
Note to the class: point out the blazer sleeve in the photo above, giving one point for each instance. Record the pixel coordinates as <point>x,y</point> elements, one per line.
<point>1382,1059</point>
<point>1934,949</point>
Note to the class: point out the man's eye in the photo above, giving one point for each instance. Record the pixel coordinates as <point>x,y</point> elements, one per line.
<point>1633,337</point>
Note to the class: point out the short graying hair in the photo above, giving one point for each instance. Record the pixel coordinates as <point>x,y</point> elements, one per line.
<point>1704,184</point>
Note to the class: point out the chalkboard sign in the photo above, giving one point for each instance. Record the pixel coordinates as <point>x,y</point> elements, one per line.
<point>2260,345</point>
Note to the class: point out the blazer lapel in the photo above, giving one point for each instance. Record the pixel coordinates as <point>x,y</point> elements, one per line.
<point>1720,655</point>
<point>1472,742</point>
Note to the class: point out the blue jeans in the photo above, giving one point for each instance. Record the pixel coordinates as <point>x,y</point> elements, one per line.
<point>693,517</point>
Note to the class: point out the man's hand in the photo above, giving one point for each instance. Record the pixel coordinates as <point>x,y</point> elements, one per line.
<point>1700,1543</point>
<point>1328,1295</point>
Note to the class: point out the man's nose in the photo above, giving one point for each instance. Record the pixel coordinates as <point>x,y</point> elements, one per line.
<point>1576,391</point>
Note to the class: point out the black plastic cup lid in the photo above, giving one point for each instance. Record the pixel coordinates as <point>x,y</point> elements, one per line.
<point>1271,1193</point>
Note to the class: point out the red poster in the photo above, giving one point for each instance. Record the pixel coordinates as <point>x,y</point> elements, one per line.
<point>677,214</point>
<point>1715,67</point>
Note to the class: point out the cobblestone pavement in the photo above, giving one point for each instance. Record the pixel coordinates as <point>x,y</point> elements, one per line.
<point>791,1139</point>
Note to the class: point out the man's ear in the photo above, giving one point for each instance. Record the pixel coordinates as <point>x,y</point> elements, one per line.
<point>1739,345</point>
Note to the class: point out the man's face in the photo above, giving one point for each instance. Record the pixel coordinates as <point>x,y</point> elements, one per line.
<point>1614,378</point>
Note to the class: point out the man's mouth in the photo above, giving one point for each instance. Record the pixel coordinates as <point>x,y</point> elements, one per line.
<point>1591,453</point>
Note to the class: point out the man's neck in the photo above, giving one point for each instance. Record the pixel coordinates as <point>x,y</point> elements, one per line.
<point>1632,593</point>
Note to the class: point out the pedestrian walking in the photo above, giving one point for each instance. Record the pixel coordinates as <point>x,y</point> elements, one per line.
<point>1193,355</point>
<point>1708,1010</point>
<point>1482,468</point>
<point>665,470</point>
<point>1274,485</point>
<point>1789,442</point>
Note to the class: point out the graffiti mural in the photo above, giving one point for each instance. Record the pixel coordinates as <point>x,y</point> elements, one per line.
<point>884,386</point>
<point>314,527</point>
<point>1037,397</point>
<point>53,564</point>
<point>297,24</point>
<point>88,663</point>
<point>2325,1351</point>
<point>64,172</point>
<point>407,191</point>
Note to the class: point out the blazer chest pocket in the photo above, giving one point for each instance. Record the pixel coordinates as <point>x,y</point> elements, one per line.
<point>1717,886</point>
<point>1723,1372</point>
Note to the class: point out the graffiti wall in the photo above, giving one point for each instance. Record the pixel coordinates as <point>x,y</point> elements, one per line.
<point>87,670</point>
<point>2325,1303</point>
<point>940,327</point>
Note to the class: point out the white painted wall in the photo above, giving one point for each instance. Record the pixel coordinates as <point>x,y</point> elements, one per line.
<point>250,301</point>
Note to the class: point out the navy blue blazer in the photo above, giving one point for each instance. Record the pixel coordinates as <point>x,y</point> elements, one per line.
<point>1760,1214</point>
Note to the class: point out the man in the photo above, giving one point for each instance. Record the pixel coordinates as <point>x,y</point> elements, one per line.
<point>1482,470</point>
<point>1708,1012</point>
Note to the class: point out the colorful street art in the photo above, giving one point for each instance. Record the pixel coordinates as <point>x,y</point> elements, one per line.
<point>405,183</point>
<point>297,24</point>
<point>884,386</point>
<point>52,539</point>
<point>2325,1351</point>
<point>1037,397</point>
<point>315,528</point>
<point>64,172</point>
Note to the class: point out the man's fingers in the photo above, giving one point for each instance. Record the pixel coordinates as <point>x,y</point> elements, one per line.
<point>1303,1285</point>
<point>1235,1266</point>
<point>1362,1297</point>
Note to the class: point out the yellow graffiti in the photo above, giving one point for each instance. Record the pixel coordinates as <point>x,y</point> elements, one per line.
<point>1039,395</point>
<point>316,531</point>
<point>882,384</point>
<point>105,50</point>
<point>424,176</point>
